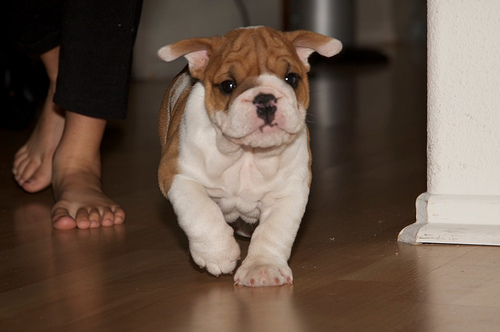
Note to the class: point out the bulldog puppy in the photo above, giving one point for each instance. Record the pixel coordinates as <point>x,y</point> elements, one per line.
<point>235,146</point>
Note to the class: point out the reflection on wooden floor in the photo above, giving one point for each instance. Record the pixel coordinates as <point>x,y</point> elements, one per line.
<point>368,134</point>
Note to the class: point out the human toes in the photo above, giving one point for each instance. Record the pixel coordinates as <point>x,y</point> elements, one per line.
<point>108,218</point>
<point>119,215</point>
<point>97,217</point>
<point>61,219</point>
<point>92,219</point>
<point>19,157</point>
<point>36,177</point>
<point>83,218</point>
<point>19,170</point>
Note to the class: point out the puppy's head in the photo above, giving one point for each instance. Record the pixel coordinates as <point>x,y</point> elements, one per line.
<point>255,80</point>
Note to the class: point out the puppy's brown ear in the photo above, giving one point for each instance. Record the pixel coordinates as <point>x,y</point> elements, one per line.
<point>197,51</point>
<point>307,42</point>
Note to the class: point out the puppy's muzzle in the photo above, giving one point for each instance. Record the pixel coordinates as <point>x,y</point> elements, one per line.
<point>266,107</point>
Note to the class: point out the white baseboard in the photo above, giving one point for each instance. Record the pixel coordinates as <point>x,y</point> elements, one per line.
<point>455,219</point>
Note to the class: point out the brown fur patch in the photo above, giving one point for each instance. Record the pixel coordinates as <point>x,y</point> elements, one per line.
<point>168,129</point>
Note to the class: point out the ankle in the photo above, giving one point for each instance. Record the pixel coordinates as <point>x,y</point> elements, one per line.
<point>69,163</point>
<point>71,176</point>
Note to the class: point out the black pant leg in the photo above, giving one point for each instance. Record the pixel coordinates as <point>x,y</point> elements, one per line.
<point>97,39</point>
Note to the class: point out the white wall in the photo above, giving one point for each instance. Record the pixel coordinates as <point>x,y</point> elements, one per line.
<point>462,203</point>
<point>464,97</point>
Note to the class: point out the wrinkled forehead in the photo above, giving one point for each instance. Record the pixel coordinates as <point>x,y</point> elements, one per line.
<point>253,52</point>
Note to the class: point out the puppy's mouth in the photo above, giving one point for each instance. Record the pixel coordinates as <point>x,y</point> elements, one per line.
<point>264,129</point>
<point>265,136</point>
<point>261,128</point>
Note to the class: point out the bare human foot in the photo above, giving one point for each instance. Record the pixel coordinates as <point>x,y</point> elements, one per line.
<point>64,149</point>
<point>82,204</point>
<point>76,180</point>
<point>32,167</point>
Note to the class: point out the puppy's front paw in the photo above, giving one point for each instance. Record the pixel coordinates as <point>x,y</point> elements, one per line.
<point>218,258</point>
<point>260,275</point>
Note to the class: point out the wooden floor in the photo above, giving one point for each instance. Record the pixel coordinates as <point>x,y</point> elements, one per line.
<point>350,274</point>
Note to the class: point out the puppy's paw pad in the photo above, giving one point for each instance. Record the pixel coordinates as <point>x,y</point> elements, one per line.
<point>263,275</point>
<point>216,259</point>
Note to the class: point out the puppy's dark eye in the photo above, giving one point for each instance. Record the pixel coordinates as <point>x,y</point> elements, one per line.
<point>227,86</point>
<point>292,79</point>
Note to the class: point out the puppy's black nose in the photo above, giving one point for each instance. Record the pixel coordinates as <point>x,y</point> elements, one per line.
<point>266,107</point>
